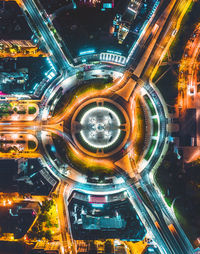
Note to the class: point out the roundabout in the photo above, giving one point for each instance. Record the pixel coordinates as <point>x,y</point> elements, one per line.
<point>113,137</point>
<point>106,133</point>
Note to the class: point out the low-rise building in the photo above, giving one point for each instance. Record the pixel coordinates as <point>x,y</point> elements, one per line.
<point>47,248</point>
<point>17,218</point>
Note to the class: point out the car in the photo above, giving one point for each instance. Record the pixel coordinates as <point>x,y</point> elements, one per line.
<point>174,32</point>
<point>191,90</point>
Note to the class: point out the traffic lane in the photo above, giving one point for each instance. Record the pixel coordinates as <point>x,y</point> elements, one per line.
<point>61,211</point>
<point>164,38</point>
<point>47,35</point>
<point>153,39</point>
<point>142,40</point>
<point>158,215</point>
<point>163,211</point>
<point>160,239</point>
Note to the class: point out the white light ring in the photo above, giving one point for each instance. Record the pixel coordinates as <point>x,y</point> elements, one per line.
<point>86,139</point>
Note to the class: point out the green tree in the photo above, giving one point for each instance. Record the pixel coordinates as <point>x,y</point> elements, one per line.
<point>48,235</point>
<point>46,205</point>
<point>31,110</point>
<point>109,247</point>
<point>43,217</point>
<point>40,234</point>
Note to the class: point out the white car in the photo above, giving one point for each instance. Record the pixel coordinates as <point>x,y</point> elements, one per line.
<point>191,90</point>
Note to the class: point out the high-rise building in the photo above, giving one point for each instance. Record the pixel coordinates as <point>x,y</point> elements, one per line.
<point>122,23</point>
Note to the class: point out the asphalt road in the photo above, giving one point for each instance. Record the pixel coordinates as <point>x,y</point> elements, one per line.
<point>50,41</point>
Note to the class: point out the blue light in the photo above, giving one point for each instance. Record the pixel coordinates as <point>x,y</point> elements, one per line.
<point>87,52</point>
<point>53,149</point>
<point>150,249</point>
<point>98,205</point>
<point>35,86</point>
<point>51,75</point>
<point>83,60</point>
<point>50,63</point>
<point>107,5</point>
<point>114,52</point>
<point>127,145</point>
<point>125,29</point>
<point>74,4</point>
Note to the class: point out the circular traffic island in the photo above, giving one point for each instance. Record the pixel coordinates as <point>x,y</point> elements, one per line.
<point>100,127</point>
